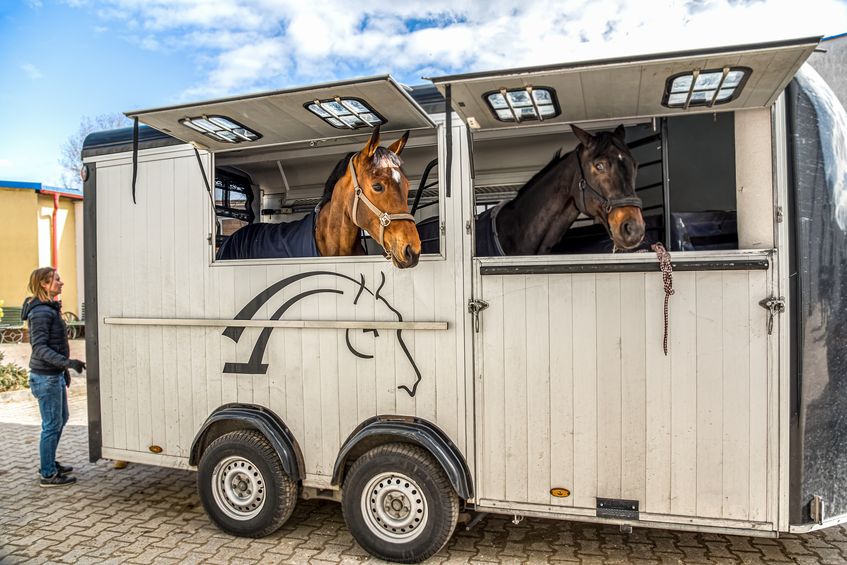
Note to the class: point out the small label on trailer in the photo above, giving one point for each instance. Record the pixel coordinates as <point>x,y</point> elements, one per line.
<point>617,508</point>
<point>560,492</point>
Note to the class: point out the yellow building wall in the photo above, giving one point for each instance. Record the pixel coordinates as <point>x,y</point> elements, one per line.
<point>66,243</point>
<point>18,243</point>
<point>25,244</point>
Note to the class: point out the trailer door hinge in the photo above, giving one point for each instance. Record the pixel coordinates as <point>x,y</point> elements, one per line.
<point>816,509</point>
<point>774,306</point>
<point>780,215</point>
<point>475,306</point>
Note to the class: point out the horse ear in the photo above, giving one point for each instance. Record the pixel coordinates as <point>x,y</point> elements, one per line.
<point>583,136</point>
<point>398,145</point>
<point>372,144</point>
<point>620,133</point>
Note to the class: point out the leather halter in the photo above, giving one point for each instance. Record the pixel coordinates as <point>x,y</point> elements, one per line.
<point>384,217</point>
<point>608,204</point>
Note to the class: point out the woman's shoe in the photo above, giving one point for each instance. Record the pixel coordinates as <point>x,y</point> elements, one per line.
<point>57,480</point>
<point>64,469</point>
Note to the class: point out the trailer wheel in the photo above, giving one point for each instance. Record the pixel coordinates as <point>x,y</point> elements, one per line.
<point>243,486</point>
<point>399,504</point>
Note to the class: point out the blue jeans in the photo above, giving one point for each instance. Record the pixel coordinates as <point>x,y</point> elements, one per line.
<point>52,398</point>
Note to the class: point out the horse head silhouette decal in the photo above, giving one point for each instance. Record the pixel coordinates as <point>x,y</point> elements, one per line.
<point>359,292</point>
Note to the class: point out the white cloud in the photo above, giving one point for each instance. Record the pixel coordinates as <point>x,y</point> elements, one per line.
<point>243,45</point>
<point>32,71</point>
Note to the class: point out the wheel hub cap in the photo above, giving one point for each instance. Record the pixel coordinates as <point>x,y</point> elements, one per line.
<point>394,507</point>
<point>238,488</point>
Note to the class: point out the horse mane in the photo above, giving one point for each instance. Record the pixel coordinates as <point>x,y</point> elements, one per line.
<point>334,177</point>
<point>382,157</point>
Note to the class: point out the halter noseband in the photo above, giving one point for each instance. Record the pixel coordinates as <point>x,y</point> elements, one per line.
<point>384,217</point>
<point>608,205</point>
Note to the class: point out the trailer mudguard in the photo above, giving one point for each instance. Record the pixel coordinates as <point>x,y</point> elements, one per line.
<point>231,417</point>
<point>406,429</point>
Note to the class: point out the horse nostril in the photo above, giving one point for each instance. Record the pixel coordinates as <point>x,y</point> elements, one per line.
<point>407,252</point>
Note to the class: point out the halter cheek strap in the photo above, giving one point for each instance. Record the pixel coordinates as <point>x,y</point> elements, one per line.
<point>384,217</point>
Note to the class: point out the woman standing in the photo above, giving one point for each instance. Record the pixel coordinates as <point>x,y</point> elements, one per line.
<point>48,365</point>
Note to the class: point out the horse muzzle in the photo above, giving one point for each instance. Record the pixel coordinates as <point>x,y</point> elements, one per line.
<point>627,227</point>
<point>407,259</point>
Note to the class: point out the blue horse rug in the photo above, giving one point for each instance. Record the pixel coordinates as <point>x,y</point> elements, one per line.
<point>270,241</point>
<point>487,241</point>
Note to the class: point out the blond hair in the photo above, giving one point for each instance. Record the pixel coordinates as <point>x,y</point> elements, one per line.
<point>37,279</point>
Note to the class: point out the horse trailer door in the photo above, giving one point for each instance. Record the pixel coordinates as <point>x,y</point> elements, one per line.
<point>296,116</point>
<point>579,408</point>
<point>616,89</point>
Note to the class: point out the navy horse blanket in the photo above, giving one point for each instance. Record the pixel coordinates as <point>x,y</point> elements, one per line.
<point>271,241</point>
<point>487,241</point>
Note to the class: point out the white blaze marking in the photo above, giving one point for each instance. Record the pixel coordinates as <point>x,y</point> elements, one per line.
<point>395,174</point>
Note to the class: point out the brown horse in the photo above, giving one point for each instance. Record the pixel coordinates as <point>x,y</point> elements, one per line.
<point>367,190</point>
<point>596,179</point>
<point>371,194</point>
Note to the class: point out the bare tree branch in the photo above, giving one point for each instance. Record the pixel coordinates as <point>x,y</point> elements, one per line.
<point>71,152</point>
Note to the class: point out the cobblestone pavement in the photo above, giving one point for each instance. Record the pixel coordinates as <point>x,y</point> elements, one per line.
<point>145,514</point>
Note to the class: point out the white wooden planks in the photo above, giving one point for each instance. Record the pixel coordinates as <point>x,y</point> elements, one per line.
<point>684,434</point>
<point>161,381</point>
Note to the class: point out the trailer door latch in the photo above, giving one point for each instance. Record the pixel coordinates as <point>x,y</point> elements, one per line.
<point>774,306</point>
<point>475,306</point>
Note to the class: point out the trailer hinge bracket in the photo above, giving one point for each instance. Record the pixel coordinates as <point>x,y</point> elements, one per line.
<point>475,306</point>
<point>816,509</point>
<point>774,306</point>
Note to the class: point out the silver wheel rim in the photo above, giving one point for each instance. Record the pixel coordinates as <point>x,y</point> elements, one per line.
<point>238,488</point>
<point>394,507</point>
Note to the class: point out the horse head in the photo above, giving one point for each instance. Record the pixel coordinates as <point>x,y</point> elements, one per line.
<point>380,203</point>
<point>607,185</point>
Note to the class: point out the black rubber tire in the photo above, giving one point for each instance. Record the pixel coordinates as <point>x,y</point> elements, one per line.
<point>280,491</point>
<point>440,498</point>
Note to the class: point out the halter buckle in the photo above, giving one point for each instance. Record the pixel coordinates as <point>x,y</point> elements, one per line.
<point>384,219</point>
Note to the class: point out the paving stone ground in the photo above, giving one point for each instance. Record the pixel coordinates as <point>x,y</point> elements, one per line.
<point>145,514</point>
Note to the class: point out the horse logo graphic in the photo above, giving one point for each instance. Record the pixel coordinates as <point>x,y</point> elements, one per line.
<point>254,365</point>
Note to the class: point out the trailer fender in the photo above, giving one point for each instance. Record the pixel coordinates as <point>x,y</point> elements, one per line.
<point>380,430</point>
<point>231,417</point>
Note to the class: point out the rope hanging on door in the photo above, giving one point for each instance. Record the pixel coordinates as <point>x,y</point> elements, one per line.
<point>667,281</point>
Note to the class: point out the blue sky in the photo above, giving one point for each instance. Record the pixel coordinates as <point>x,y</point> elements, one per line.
<point>63,60</point>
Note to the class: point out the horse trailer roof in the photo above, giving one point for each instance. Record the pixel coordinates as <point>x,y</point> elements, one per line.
<point>631,87</point>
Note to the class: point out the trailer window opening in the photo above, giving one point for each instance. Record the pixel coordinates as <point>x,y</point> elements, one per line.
<point>345,113</point>
<point>686,181</point>
<point>286,186</point>
<point>523,104</point>
<point>705,87</point>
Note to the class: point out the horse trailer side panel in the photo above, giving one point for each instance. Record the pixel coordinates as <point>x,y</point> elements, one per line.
<point>160,380</point>
<point>685,435</point>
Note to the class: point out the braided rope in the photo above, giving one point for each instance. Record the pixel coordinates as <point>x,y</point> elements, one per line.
<point>667,281</point>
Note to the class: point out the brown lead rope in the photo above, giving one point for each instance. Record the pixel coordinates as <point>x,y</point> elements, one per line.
<point>667,281</point>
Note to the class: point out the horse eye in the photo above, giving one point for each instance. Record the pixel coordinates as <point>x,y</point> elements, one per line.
<point>377,187</point>
<point>600,166</point>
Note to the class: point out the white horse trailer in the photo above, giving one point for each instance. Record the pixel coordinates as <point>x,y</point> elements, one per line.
<point>520,385</point>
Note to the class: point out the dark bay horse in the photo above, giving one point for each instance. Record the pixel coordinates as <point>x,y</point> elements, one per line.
<point>367,190</point>
<point>597,179</point>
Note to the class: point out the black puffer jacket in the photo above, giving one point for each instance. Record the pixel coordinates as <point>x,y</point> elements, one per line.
<point>47,335</point>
